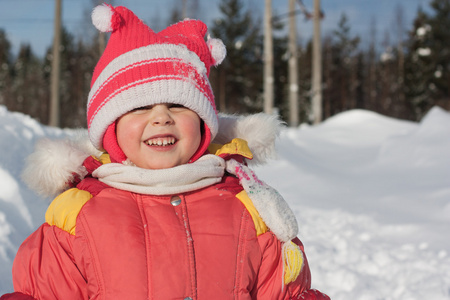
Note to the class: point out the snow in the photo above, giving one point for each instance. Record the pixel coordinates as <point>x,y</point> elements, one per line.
<point>371,193</point>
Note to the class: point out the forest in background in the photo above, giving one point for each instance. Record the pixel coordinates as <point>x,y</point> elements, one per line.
<point>408,76</point>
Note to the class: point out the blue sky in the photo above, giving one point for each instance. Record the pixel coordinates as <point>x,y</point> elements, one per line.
<point>31,21</point>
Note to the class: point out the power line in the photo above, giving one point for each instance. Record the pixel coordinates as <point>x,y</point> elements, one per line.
<point>303,10</point>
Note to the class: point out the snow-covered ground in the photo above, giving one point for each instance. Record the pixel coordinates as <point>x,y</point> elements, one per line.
<point>371,193</point>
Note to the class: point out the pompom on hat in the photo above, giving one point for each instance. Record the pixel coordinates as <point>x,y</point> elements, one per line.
<point>140,68</point>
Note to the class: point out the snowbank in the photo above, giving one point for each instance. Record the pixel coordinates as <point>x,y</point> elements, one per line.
<point>21,211</point>
<point>372,195</point>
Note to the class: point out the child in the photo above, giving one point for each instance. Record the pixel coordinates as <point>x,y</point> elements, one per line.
<point>163,213</point>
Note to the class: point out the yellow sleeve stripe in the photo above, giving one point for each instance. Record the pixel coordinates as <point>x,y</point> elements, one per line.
<point>260,226</point>
<point>291,254</point>
<point>64,209</point>
<point>292,260</point>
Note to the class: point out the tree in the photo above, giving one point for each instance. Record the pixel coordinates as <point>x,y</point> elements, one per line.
<point>28,88</point>
<point>176,15</point>
<point>439,41</point>
<point>369,97</point>
<point>77,64</point>
<point>180,10</point>
<point>340,69</point>
<point>238,81</point>
<point>5,67</point>
<point>387,78</point>
<point>401,109</point>
<point>427,66</point>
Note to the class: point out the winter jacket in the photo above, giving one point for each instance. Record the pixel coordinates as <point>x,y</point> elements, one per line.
<point>100,242</point>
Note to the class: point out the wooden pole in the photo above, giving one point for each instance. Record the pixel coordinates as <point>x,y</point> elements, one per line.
<point>54,119</point>
<point>293,67</point>
<point>316,91</point>
<point>184,10</point>
<point>268,59</point>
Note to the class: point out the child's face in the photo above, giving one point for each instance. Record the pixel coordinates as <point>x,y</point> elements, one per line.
<point>159,136</point>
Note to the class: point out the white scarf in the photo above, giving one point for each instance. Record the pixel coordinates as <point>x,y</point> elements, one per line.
<point>206,171</point>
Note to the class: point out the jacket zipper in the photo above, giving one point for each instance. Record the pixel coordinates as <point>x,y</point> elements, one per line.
<point>180,207</point>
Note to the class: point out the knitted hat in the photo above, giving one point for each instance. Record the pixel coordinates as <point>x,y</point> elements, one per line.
<point>140,68</point>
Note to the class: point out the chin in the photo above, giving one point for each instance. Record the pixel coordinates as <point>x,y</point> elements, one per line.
<point>159,165</point>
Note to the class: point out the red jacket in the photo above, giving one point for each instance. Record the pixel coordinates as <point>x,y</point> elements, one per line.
<point>99,242</point>
<point>133,246</point>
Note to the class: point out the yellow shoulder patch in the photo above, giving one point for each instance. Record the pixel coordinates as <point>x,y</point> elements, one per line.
<point>236,146</point>
<point>260,226</point>
<point>104,158</point>
<point>64,209</point>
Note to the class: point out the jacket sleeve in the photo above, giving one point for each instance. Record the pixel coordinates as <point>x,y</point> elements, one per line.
<point>44,267</point>
<point>271,277</point>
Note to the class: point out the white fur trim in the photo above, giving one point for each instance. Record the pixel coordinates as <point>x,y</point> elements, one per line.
<point>102,18</point>
<point>54,162</point>
<point>259,130</point>
<point>217,50</point>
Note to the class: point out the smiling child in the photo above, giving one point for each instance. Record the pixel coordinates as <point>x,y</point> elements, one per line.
<point>165,206</point>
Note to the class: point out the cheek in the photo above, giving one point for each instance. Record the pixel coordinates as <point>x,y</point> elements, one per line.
<point>127,132</point>
<point>194,131</point>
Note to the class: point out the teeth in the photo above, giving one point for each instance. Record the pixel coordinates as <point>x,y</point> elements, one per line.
<point>161,141</point>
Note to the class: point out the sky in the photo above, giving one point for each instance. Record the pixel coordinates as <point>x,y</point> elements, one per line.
<point>31,21</point>
<point>371,195</point>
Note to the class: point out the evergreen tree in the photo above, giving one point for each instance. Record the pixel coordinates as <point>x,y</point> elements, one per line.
<point>238,81</point>
<point>281,92</point>
<point>77,64</point>
<point>28,89</point>
<point>387,78</point>
<point>342,83</point>
<point>427,67</point>
<point>370,76</point>
<point>80,68</point>
<point>176,15</point>
<point>5,68</point>
<point>304,82</point>
<point>401,108</point>
<point>440,47</point>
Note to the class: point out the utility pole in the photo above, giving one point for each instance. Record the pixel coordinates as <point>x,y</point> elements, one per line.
<point>102,39</point>
<point>184,9</point>
<point>101,42</point>
<point>268,59</point>
<point>56,58</point>
<point>293,67</point>
<point>316,91</point>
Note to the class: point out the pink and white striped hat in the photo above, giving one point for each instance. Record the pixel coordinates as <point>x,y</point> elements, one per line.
<point>140,68</point>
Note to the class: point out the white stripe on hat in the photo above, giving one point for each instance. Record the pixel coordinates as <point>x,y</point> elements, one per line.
<point>154,51</point>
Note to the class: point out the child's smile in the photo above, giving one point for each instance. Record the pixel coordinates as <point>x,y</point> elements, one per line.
<point>159,136</point>
<point>161,141</point>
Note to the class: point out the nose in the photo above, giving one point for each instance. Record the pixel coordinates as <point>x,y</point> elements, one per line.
<point>161,115</point>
